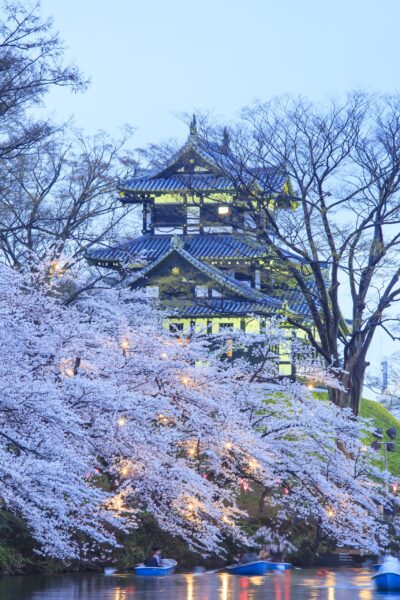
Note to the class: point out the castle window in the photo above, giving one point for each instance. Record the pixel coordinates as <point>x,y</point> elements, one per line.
<point>152,292</point>
<point>223,211</point>
<point>224,326</point>
<point>168,214</point>
<point>216,294</point>
<point>201,291</point>
<point>214,214</point>
<point>176,327</point>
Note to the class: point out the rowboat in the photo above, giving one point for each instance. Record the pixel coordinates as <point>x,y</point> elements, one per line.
<point>258,567</point>
<point>278,566</point>
<point>167,568</point>
<point>387,578</point>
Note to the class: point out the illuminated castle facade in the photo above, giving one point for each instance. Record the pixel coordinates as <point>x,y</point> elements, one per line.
<point>200,253</point>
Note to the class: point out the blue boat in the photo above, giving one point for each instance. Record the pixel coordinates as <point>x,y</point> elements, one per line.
<point>167,568</point>
<point>387,578</point>
<point>278,566</point>
<point>258,567</point>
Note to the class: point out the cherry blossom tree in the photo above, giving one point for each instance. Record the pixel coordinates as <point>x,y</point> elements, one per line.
<point>104,415</point>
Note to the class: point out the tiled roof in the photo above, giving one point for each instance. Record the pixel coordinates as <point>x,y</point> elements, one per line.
<point>149,248</point>
<point>221,307</point>
<point>272,183</point>
<point>224,281</point>
<point>228,173</point>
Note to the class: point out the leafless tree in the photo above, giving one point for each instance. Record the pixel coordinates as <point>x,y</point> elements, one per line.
<point>57,188</point>
<point>60,198</point>
<point>343,162</point>
<point>31,63</point>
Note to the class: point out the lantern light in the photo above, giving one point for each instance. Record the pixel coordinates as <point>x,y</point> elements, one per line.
<point>125,470</point>
<point>121,421</point>
<point>223,211</point>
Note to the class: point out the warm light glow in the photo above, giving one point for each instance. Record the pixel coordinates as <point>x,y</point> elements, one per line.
<point>228,521</point>
<point>223,211</point>
<point>164,419</point>
<point>56,268</point>
<point>244,484</point>
<point>121,421</point>
<point>254,464</point>
<point>310,386</point>
<point>124,344</point>
<point>192,447</point>
<point>330,512</point>
<point>164,355</point>
<point>229,445</point>
<point>190,506</point>
<point>119,594</point>
<point>395,487</point>
<point>331,584</point>
<point>175,270</point>
<point>125,469</point>
<point>224,593</point>
<point>116,503</point>
<point>189,587</point>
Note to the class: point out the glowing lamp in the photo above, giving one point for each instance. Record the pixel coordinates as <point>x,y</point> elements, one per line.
<point>229,445</point>
<point>124,345</point>
<point>223,211</point>
<point>121,421</point>
<point>330,512</point>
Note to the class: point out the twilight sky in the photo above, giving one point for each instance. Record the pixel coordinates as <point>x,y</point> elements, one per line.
<point>151,59</point>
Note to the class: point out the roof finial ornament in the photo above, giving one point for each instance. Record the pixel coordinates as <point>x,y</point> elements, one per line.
<point>193,125</point>
<point>226,140</point>
<point>177,242</point>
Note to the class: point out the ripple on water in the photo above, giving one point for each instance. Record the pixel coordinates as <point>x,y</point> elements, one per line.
<point>303,584</point>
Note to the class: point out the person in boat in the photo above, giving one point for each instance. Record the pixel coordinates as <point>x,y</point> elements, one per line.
<point>237,558</point>
<point>265,553</point>
<point>250,556</point>
<point>154,560</point>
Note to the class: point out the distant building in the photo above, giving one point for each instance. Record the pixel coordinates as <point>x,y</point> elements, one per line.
<point>201,254</point>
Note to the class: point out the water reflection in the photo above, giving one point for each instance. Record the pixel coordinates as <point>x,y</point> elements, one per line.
<point>346,584</point>
<point>331,582</point>
<point>225,586</point>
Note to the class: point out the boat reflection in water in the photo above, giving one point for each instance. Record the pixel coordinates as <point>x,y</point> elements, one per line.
<point>304,584</point>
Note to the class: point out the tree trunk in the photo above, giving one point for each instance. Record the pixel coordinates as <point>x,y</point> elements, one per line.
<point>353,383</point>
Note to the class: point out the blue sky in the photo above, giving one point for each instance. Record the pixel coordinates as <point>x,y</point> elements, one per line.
<point>149,60</point>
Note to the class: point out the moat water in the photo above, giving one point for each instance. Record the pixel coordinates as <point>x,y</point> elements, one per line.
<point>302,584</point>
